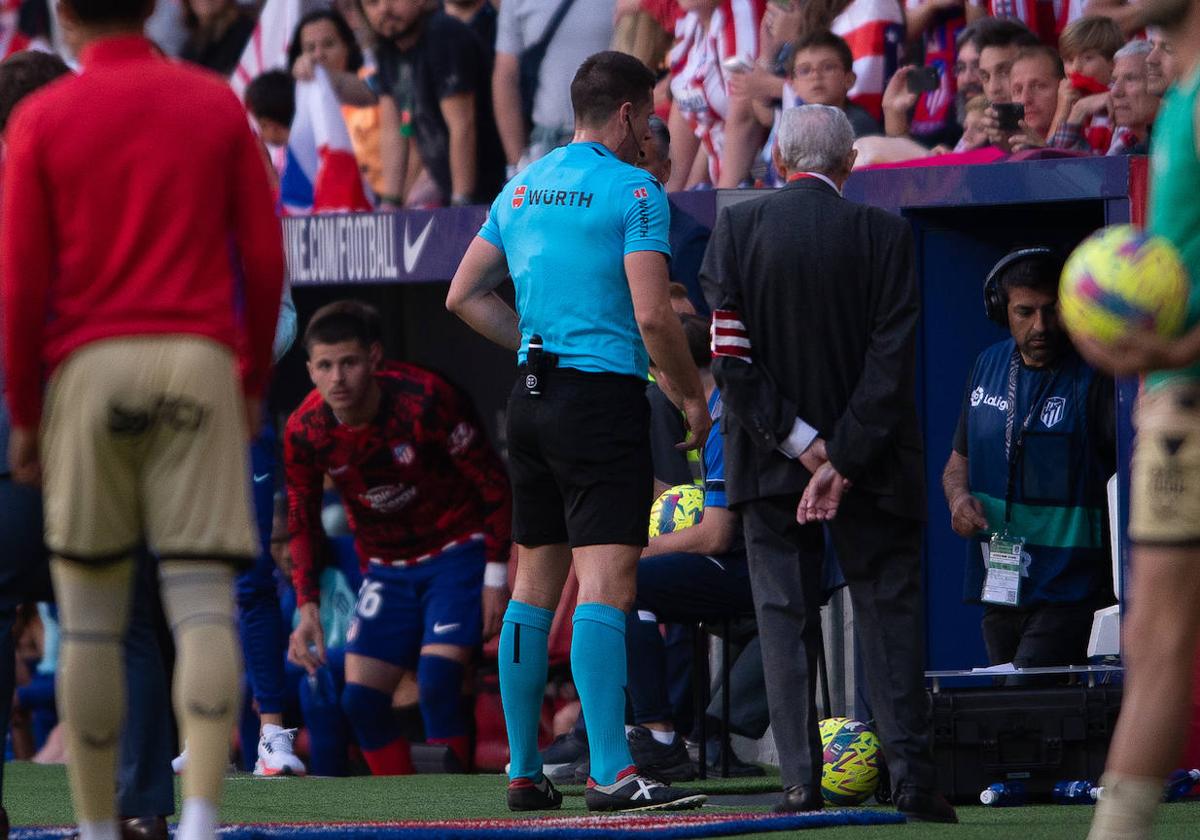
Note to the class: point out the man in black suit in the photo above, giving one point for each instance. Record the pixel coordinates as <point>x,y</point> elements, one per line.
<point>815,347</point>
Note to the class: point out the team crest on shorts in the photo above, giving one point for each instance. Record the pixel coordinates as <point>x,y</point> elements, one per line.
<point>518,197</point>
<point>404,454</point>
<point>1053,411</point>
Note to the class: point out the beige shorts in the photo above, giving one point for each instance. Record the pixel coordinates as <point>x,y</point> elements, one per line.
<point>1164,505</point>
<point>144,439</point>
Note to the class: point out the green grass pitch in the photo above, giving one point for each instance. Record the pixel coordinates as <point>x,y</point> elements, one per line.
<point>37,795</point>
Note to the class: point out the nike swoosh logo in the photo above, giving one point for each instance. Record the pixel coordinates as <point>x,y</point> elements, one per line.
<point>439,629</point>
<point>414,247</point>
<point>259,479</point>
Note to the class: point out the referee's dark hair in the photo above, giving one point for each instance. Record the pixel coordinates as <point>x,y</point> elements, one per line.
<point>605,82</point>
<point>343,320</point>
<point>21,74</point>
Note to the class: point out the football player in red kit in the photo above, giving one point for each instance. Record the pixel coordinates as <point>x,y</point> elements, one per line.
<point>428,503</point>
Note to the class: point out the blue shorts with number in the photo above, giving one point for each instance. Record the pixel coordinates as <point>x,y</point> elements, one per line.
<point>402,608</point>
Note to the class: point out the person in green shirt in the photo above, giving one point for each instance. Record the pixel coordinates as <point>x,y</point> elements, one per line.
<point>1162,623</point>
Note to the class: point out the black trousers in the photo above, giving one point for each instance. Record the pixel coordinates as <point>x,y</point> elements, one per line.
<point>1038,637</point>
<point>881,562</point>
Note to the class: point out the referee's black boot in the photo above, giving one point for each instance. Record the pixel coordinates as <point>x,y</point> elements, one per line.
<point>528,795</point>
<point>800,798</point>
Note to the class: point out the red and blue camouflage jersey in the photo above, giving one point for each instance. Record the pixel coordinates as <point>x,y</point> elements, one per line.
<point>420,476</point>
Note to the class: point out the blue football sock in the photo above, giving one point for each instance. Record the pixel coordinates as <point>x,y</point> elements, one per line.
<point>440,683</point>
<point>370,714</point>
<point>523,641</point>
<point>598,666</point>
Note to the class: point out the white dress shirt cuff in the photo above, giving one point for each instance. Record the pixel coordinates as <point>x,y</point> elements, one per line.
<point>797,443</point>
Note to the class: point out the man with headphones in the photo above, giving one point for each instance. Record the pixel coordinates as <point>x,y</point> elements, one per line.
<point>1026,479</point>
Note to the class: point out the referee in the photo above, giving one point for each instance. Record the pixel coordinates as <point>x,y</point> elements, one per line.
<point>583,233</point>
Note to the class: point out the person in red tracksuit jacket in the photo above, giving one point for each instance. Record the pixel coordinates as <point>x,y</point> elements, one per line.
<point>134,368</point>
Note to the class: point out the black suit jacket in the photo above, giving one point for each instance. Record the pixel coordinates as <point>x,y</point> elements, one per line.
<point>828,293</point>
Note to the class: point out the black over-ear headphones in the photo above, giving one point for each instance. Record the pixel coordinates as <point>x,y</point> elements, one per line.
<point>995,299</point>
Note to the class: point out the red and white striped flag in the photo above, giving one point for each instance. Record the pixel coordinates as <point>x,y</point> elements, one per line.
<point>268,45</point>
<point>729,336</point>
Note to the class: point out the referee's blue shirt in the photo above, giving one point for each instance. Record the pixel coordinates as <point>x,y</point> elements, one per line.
<point>565,225</point>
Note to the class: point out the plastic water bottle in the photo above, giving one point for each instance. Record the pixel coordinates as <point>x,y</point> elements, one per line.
<point>1004,795</point>
<point>1080,792</point>
<point>1180,784</point>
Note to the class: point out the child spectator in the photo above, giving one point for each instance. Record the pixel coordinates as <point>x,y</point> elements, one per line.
<point>271,101</point>
<point>1130,106</point>
<point>823,74</point>
<point>1087,47</point>
<point>974,131</point>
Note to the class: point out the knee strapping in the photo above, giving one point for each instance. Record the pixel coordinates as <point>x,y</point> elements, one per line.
<point>199,605</point>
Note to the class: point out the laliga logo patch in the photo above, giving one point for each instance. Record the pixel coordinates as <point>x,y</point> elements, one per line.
<point>404,454</point>
<point>519,196</point>
<point>641,192</point>
<point>976,397</point>
<point>1053,411</point>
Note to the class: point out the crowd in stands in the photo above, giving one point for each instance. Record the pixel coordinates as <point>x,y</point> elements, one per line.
<point>918,81</point>
<point>444,100</point>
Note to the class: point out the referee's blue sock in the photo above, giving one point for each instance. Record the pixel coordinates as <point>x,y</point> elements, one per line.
<point>598,666</point>
<point>523,652</point>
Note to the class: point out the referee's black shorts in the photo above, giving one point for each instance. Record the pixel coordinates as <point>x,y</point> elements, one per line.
<point>579,460</point>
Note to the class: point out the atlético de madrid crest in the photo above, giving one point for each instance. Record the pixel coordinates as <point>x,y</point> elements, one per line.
<point>1053,411</point>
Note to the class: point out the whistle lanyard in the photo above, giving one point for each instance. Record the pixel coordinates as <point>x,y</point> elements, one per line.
<point>1014,450</point>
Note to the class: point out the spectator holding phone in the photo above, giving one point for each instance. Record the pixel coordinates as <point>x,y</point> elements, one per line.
<point>903,93</point>
<point>1036,74</point>
<point>999,46</point>
<point>937,24</point>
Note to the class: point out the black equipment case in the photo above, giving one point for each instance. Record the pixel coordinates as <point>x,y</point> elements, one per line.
<point>1036,736</point>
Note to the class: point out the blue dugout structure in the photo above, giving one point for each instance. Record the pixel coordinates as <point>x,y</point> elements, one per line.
<point>963,218</point>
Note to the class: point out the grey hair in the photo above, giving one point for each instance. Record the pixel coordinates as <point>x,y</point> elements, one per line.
<point>661,135</point>
<point>815,138</point>
<point>1134,48</point>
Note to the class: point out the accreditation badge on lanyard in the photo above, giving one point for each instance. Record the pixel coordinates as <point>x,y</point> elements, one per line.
<point>1002,585</point>
<point>1003,582</point>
